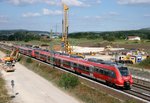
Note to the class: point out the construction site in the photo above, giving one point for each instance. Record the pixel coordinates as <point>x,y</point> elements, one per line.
<point>87,74</point>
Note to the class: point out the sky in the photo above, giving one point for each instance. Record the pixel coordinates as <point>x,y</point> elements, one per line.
<point>84,15</point>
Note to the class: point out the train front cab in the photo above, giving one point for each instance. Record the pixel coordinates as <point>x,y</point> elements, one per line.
<point>124,78</point>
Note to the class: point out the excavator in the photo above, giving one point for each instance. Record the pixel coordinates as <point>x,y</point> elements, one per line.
<point>9,60</point>
<point>12,57</point>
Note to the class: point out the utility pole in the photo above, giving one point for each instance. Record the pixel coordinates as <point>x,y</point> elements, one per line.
<point>56,30</point>
<point>51,48</point>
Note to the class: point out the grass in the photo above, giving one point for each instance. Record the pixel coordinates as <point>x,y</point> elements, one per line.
<point>81,91</point>
<point>4,97</point>
<point>82,41</point>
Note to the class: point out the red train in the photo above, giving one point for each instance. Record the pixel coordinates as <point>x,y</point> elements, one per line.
<point>111,73</point>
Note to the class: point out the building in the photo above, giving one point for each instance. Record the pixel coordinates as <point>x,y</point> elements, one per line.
<point>134,38</point>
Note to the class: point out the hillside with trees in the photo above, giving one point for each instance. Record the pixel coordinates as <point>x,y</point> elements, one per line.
<point>25,35</point>
<point>20,35</point>
<point>113,35</point>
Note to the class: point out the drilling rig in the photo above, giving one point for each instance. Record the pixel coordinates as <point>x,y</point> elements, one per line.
<point>65,43</point>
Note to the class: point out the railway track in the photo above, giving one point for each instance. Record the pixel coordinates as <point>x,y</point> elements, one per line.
<point>140,89</point>
<point>138,94</point>
<point>146,88</point>
<point>133,92</point>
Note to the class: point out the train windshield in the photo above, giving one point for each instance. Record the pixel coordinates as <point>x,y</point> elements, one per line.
<point>124,71</point>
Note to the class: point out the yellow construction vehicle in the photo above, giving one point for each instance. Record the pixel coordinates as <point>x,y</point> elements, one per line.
<point>12,57</point>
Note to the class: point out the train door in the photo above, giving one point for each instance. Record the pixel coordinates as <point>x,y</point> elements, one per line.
<point>71,66</point>
<point>75,67</point>
<point>37,54</point>
<point>91,70</point>
<point>48,59</point>
<point>29,52</point>
<point>52,60</point>
<point>61,63</point>
<point>57,61</point>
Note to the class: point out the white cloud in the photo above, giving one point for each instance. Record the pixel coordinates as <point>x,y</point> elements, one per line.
<point>3,19</point>
<point>112,13</point>
<point>49,2</point>
<point>51,12</point>
<point>74,3</point>
<point>134,1</point>
<point>29,14</point>
<point>22,2</point>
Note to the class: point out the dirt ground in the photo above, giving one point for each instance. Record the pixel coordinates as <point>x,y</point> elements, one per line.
<point>31,88</point>
<point>146,47</point>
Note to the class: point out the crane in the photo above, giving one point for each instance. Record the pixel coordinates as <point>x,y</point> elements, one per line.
<point>65,43</point>
<point>66,47</point>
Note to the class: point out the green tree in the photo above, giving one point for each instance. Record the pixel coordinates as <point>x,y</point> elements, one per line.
<point>68,81</point>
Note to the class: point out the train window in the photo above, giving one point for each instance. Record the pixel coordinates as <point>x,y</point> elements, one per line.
<point>75,65</point>
<point>101,71</point>
<point>51,58</point>
<point>112,74</point>
<point>66,63</point>
<point>30,51</point>
<point>87,68</point>
<point>36,52</point>
<point>105,72</point>
<point>81,67</point>
<point>96,70</point>
<point>124,71</point>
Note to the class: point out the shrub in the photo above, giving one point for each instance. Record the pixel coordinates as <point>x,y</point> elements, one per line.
<point>4,97</point>
<point>19,58</point>
<point>29,60</point>
<point>135,41</point>
<point>68,81</point>
<point>145,62</point>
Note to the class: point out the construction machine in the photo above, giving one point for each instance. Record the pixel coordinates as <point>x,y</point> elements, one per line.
<point>12,57</point>
<point>66,47</point>
<point>8,66</point>
<point>65,43</point>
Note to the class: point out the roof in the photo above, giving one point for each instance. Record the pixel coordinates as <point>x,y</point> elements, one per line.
<point>133,37</point>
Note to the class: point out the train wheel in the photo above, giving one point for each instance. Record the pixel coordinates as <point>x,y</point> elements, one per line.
<point>127,87</point>
<point>77,72</point>
<point>109,83</point>
<point>114,86</point>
